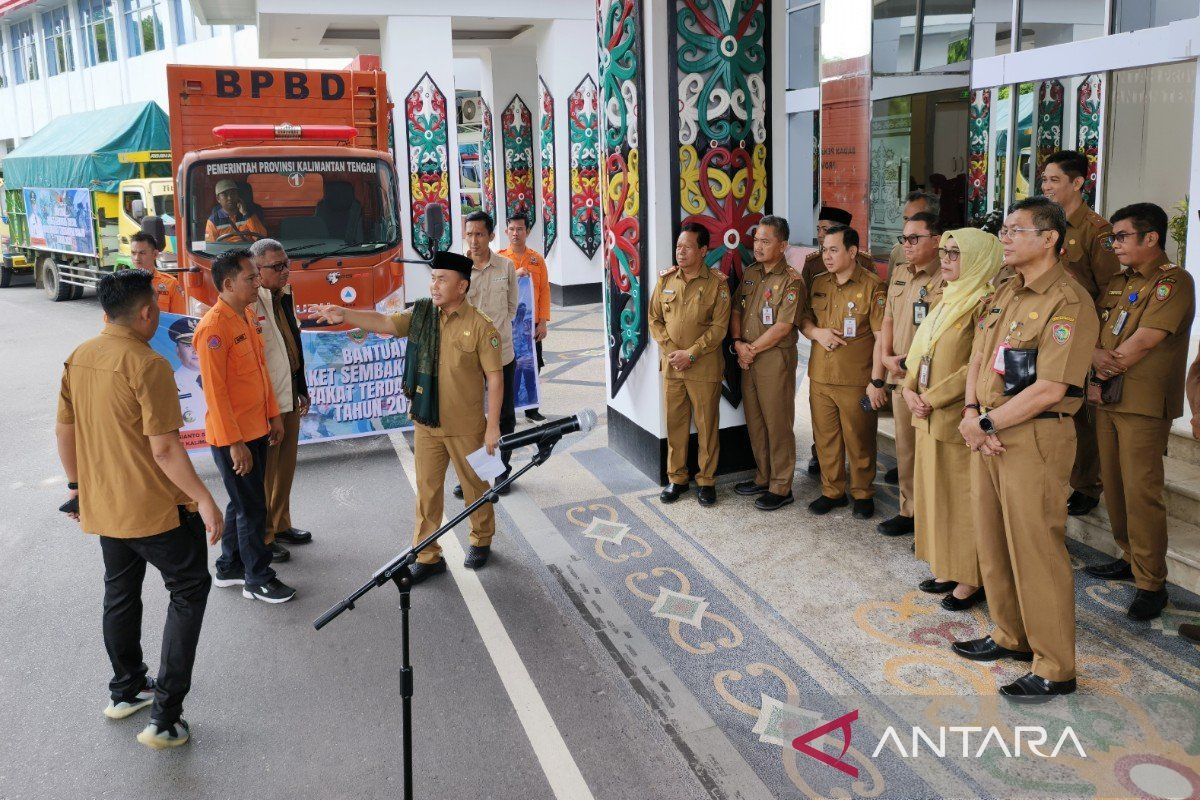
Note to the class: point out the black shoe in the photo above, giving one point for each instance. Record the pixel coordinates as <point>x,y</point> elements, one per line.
<point>823,504</point>
<point>1029,688</point>
<point>863,509</point>
<point>896,526</point>
<point>769,501</point>
<point>986,649</point>
<point>1190,631</point>
<point>892,476</point>
<point>1116,570</point>
<point>952,603</point>
<point>230,577</point>
<point>273,591</point>
<point>749,488</point>
<point>458,492</point>
<point>279,553</point>
<point>1079,504</point>
<point>706,495</point>
<point>533,415</point>
<point>814,466</point>
<point>672,492</point>
<point>501,479</point>
<point>934,586</point>
<point>422,572</point>
<point>1147,605</point>
<point>294,536</point>
<point>477,557</point>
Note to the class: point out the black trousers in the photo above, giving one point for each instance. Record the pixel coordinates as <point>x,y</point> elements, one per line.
<point>181,557</point>
<point>508,416</point>
<point>242,545</point>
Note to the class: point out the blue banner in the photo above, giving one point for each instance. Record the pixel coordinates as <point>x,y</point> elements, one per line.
<point>61,220</point>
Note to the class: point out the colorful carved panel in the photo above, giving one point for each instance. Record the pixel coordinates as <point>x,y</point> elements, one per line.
<point>516,134</point>
<point>549,189</point>
<point>584,134</point>
<point>487,161</point>
<point>1050,123</point>
<point>720,87</point>
<point>1087,130</point>
<point>979,124</point>
<point>622,133</point>
<point>428,162</point>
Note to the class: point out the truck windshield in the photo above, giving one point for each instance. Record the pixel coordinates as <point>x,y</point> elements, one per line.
<point>311,205</point>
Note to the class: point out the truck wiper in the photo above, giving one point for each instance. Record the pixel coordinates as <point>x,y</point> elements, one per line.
<point>339,251</point>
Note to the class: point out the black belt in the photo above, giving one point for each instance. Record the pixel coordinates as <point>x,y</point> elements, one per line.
<point>1052,415</point>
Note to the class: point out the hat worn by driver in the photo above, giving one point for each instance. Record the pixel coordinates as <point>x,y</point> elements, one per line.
<point>226,185</point>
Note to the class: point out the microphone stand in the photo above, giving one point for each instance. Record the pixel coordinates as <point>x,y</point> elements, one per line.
<point>399,572</point>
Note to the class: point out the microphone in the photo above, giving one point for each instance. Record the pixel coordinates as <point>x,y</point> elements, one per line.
<point>583,422</point>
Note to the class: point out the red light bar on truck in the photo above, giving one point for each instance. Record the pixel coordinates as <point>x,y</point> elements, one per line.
<point>285,131</point>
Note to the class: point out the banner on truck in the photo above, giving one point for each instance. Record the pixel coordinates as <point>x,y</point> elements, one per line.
<point>60,220</point>
<point>353,377</point>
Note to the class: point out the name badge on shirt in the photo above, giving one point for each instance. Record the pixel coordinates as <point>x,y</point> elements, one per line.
<point>920,311</point>
<point>768,315</point>
<point>923,371</point>
<point>1119,325</point>
<point>849,328</point>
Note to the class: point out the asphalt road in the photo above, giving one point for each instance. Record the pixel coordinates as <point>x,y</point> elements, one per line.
<point>277,709</point>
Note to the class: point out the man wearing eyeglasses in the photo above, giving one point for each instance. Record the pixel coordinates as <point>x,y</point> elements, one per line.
<point>917,202</point>
<point>1137,388</point>
<point>276,313</point>
<point>1085,257</point>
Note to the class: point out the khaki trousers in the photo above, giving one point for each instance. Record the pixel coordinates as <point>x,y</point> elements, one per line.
<point>281,469</point>
<point>1085,473</point>
<point>687,402</point>
<point>906,451</point>
<point>1021,527</point>
<point>842,430</point>
<point>433,454</point>
<point>1132,447</point>
<point>769,395</point>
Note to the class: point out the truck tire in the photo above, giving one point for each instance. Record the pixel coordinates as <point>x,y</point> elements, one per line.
<point>55,289</point>
<point>77,292</point>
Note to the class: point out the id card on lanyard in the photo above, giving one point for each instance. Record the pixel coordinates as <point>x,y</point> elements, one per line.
<point>920,309</point>
<point>849,323</point>
<point>923,371</point>
<point>768,313</point>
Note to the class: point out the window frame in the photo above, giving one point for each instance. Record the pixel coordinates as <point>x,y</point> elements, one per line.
<point>24,38</point>
<point>52,40</point>
<point>94,14</point>
<point>134,15</point>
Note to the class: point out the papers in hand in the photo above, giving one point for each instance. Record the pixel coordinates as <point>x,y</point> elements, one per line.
<point>485,466</point>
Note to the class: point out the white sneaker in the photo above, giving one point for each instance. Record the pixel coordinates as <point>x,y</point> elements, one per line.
<point>161,737</point>
<point>124,708</point>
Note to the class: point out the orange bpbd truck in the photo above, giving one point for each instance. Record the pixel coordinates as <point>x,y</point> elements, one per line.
<point>300,156</point>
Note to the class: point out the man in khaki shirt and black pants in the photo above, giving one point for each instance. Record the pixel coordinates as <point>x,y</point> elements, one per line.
<point>1025,381</point>
<point>1137,390</point>
<point>689,316</point>
<point>135,487</point>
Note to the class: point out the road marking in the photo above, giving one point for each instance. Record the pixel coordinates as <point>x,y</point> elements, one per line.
<point>548,744</point>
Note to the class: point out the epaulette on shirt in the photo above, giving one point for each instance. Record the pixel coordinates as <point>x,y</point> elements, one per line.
<point>1168,267</point>
<point>662,273</point>
<point>792,271</point>
<point>1096,219</point>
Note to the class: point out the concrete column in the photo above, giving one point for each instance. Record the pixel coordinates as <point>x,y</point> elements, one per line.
<point>410,47</point>
<point>509,72</point>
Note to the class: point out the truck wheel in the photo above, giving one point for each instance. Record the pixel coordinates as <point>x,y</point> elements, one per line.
<point>77,292</point>
<point>56,290</point>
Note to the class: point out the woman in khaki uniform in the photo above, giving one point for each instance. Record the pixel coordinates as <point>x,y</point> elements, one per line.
<point>934,385</point>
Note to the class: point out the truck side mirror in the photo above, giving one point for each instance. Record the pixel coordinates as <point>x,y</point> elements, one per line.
<point>154,227</point>
<point>137,209</point>
<point>435,223</point>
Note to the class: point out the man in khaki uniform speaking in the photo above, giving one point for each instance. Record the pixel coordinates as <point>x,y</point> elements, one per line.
<point>915,288</point>
<point>689,316</point>
<point>453,349</point>
<point>1137,387</point>
<point>1028,367</point>
<point>844,317</point>
<point>1090,263</point>
<point>766,310</point>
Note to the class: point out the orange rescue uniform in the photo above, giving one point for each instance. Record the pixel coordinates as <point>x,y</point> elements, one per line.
<point>535,264</point>
<point>233,369</point>
<point>169,293</point>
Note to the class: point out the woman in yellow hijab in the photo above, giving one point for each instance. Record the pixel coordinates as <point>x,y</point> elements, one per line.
<point>934,387</point>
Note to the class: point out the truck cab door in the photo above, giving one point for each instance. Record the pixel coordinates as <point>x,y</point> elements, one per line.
<point>133,208</point>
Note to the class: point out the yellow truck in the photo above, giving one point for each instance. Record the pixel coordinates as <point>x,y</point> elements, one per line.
<point>76,192</point>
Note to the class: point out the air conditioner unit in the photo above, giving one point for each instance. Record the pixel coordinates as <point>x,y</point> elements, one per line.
<point>470,112</point>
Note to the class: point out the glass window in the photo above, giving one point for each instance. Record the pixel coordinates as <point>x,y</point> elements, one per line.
<point>804,155</point>
<point>893,36</point>
<point>992,32</point>
<point>24,45</point>
<point>99,43</point>
<point>1148,143</point>
<point>144,25</point>
<point>1136,15</point>
<point>804,46</point>
<point>56,27</point>
<point>187,27</point>
<point>946,35</point>
<point>1023,183</point>
<point>1050,22</point>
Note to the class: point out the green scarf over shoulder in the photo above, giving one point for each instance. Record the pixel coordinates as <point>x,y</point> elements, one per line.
<point>421,364</point>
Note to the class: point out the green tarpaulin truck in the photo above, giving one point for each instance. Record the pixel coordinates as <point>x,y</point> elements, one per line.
<point>79,188</point>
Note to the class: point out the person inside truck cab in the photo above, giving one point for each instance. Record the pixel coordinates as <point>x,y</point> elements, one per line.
<point>231,220</point>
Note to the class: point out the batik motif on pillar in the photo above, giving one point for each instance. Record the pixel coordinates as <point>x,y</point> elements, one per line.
<point>979,123</point>
<point>584,134</point>
<point>1087,130</point>
<point>487,162</point>
<point>428,162</point>
<point>549,189</point>
<point>516,133</point>
<point>1050,123</point>
<point>622,134</point>
<point>719,84</point>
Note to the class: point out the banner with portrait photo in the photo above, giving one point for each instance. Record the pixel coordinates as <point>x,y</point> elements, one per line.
<point>60,220</point>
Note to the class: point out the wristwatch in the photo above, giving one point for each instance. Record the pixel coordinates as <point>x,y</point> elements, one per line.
<point>986,425</point>
<point>877,383</point>
<point>72,486</point>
